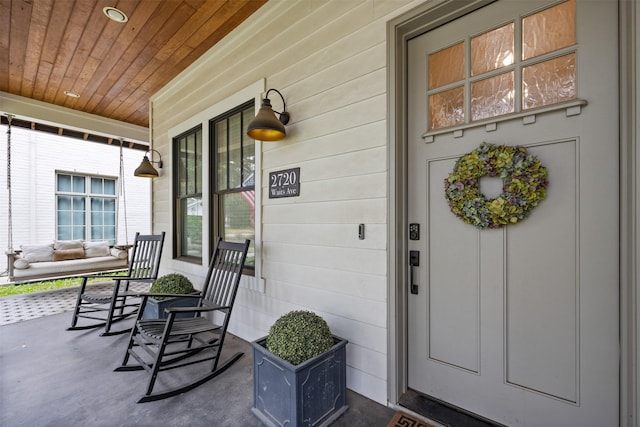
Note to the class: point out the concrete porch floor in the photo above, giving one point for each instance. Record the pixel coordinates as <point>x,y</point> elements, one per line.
<point>53,377</point>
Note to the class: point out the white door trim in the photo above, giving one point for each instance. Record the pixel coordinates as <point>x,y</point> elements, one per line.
<point>431,14</point>
<point>629,213</point>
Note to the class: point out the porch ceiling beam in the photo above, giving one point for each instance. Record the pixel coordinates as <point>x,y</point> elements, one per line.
<point>90,137</point>
<point>46,117</point>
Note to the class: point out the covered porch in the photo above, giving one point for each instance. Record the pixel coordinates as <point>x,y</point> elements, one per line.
<point>53,377</point>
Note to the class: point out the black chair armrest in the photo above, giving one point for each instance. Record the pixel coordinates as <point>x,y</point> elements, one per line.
<point>116,277</point>
<point>153,295</point>
<point>193,309</point>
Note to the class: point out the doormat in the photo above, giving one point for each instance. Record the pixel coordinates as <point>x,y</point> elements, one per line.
<point>400,419</point>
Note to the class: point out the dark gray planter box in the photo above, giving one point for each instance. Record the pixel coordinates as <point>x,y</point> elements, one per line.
<point>313,393</point>
<point>154,309</point>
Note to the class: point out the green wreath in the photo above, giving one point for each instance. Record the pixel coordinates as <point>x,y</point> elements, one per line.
<point>524,185</point>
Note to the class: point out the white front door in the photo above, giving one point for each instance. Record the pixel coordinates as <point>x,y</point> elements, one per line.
<point>518,324</point>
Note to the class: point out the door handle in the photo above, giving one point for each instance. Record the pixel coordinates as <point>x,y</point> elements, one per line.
<point>414,261</point>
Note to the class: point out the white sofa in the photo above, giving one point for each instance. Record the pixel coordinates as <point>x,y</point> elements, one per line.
<point>64,258</point>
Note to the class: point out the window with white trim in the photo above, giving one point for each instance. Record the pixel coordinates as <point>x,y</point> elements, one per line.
<point>233,190</point>
<point>86,207</point>
<point>188,190</point>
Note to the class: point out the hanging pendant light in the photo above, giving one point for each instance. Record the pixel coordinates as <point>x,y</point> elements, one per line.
<point>146,169</point>
<point>266,126</point>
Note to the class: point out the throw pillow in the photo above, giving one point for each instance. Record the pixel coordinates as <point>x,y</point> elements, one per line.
<point>65,254</point>
<point>119,253</point>
<point>67,244</point>
<point>95,249</point>
<point>37,253</point>
<point>21,264</point>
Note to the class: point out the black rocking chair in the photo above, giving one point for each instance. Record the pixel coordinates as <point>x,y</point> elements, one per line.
<point>163,344</point>
<point>118,304</point>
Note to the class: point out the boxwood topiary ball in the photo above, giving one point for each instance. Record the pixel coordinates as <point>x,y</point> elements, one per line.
<point>299,336</point>
<point>173,283</point>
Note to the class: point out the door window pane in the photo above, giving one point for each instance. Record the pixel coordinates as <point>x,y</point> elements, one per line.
<point>446,108</point>
<point>446,66</point>
<point>492,50</point>
<point>492,97</point>
<point>549,30</point>
<point>549,82</point>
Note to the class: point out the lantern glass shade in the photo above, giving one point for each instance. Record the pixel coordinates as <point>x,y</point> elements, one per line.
<point>266,126</point>
<point>146,169</point>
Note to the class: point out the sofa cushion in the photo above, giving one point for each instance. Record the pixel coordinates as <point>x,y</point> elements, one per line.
<point>94,249</point>
<point>65,254</point>
<point>21,264</point>
<point>71,267</point>
<point>67,244</point>
<point>37,253</point>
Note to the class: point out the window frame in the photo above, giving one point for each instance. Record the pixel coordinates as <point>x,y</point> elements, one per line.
<point>200,116</point>
<point>216,220</point>
<point>178,220</point>
<point>88,195</point>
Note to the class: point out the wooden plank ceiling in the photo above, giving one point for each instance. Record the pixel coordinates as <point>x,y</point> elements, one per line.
<point>48,47</point>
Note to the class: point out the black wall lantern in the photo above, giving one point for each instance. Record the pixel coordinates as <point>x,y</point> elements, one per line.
<point>146,169</point>
<point>266,126</point>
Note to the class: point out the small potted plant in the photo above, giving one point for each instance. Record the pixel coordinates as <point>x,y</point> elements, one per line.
<point>299,372</point>
<point>175,284</point>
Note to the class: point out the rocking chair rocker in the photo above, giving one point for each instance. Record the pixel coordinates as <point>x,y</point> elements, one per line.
<point>119,304</point>
<point>160,344</point>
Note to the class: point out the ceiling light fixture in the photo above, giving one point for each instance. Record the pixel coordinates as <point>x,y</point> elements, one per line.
<point>115,14</point>
<point>266,126</point>
<point>71,94</point>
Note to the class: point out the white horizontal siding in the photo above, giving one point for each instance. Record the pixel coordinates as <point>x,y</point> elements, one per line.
<point>329,61</point>
<point>335,235</point>
<point>342,283</point>
<point>348,140</point>
<point>329,169</point>
<point>352,211</point>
